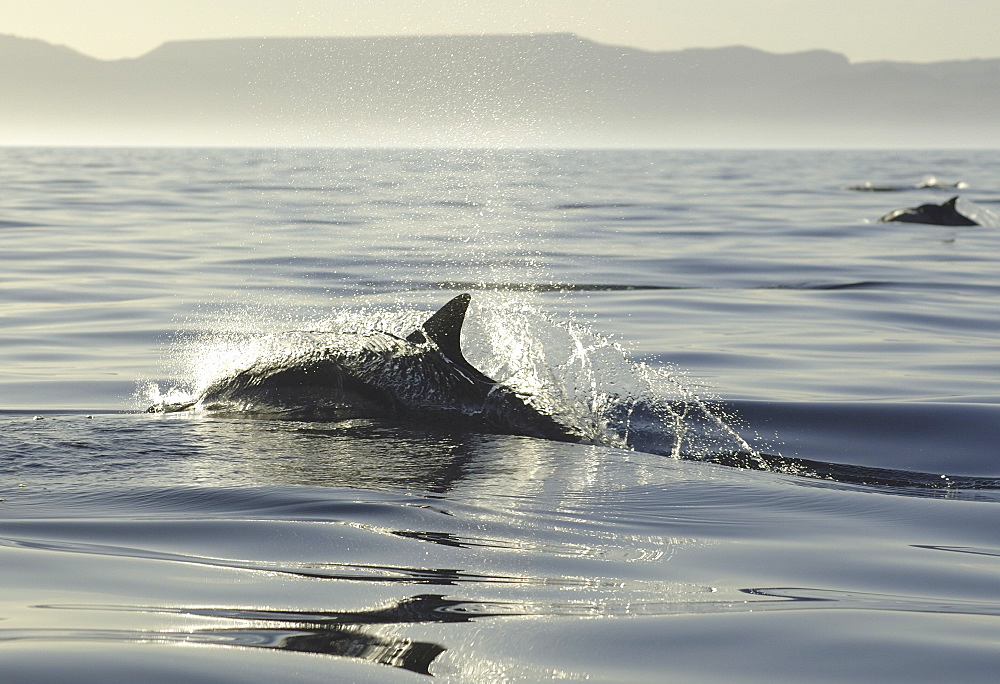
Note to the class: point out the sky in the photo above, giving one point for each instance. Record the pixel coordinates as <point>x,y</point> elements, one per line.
<point>864,30</point>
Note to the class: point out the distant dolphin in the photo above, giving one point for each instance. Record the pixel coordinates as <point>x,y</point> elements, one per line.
<point>378,374</point>
<point>934,182</point>
<point>945,214</point>
<point>929,182</point>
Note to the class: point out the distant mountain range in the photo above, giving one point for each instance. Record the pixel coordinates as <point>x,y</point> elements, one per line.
<point>522,90</point>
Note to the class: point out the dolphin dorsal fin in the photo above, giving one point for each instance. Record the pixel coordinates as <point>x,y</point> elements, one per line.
<point>951,203</point>
<point>445,326</point>
<point>445,329</point>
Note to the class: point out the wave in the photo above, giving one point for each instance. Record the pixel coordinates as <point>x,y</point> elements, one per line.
<point>596,205</point>
<point>627,287</point>
<point>21,224</point>
<point>926,484</point>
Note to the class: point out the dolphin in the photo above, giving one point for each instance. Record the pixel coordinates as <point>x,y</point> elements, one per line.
<point>376,374</point>
<point>945,214</point>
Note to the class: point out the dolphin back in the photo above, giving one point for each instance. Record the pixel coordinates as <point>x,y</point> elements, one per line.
<point>944,214</point>
<point>377,374</point>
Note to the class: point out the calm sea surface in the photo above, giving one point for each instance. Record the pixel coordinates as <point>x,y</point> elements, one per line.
<point>824,506</point>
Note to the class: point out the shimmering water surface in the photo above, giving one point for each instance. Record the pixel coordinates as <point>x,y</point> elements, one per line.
<point>817,500</point>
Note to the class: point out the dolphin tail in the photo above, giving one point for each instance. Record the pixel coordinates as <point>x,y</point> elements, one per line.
<point>445,329</point>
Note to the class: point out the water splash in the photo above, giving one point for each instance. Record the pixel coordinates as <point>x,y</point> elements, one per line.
<point>981,215</point>
<point>563,368</point>
<point>589,380</point>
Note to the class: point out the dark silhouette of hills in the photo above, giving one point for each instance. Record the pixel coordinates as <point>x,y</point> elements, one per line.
<point>524,90</point>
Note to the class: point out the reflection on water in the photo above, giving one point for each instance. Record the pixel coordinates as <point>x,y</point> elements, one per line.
<point>374,634</point>
<point>331,634</point>
<point>375,455</point>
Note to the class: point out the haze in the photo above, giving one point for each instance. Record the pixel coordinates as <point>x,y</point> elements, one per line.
<point>863,30</point>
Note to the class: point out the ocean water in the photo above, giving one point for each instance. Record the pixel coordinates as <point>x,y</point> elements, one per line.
<point>816,499</point>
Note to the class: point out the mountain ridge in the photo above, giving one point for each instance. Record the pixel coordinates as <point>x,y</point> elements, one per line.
<point>521,90</point>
